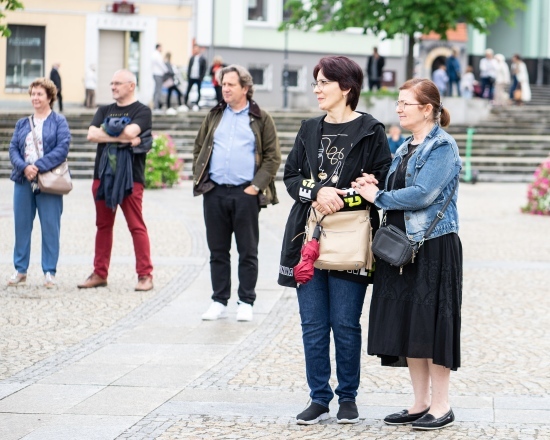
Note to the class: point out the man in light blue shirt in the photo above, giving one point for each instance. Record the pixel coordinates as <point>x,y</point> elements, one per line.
<point>235,160</point>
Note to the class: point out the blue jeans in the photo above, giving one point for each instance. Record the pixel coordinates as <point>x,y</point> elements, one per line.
<point>25,205</point>
<point>329,303</point>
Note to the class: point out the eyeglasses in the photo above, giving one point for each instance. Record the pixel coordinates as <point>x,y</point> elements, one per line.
<point>320,84</point>
<point>403,104</point>
<point>117,83</point>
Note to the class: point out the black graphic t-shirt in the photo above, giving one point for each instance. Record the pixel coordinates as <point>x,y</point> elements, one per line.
<point>139,114</point>
<point>336,143</point>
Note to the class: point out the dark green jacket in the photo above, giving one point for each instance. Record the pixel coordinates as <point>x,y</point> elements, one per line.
<point>268,153</point>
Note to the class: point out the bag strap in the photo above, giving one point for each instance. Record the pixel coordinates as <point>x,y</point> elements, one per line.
<point>35,141</point>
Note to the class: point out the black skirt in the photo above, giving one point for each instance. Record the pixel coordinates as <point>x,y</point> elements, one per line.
<point>417,314</point>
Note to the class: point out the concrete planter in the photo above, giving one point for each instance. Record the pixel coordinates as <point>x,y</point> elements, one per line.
<point>463,111</point>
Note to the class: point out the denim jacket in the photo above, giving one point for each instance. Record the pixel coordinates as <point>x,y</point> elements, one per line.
<point>56,138</point>
<point>432,172</point>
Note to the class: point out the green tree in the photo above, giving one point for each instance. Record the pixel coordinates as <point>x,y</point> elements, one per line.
<point>8,5</point>
<point>388,18</point>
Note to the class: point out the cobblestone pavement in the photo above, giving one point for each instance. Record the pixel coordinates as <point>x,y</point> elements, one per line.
<point>241,381</point>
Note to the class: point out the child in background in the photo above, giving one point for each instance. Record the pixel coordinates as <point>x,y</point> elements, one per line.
<point>468,82</point>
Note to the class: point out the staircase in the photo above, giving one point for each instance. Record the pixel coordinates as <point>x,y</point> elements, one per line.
<point>540,95</point>
<point>506,148</point>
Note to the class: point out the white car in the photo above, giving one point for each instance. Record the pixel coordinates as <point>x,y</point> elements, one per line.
<point>208,93</point>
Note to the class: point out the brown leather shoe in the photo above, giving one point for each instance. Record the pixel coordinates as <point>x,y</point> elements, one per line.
<point>94,280</point>
<point>144,284</point>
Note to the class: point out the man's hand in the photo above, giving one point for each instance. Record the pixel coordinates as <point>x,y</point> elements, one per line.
<point>251,190</point>
<point>135,142</point>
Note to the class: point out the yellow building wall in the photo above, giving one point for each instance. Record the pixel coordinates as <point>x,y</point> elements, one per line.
<point>65,38</point>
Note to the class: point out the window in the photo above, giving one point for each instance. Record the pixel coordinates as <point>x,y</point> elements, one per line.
<point>261,76</point>
<point>257,10</point>
<point>24,56</point>
<point>296,78</point>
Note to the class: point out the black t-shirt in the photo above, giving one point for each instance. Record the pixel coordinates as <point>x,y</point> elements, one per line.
<point>140,115</point>
<point>336,143</point>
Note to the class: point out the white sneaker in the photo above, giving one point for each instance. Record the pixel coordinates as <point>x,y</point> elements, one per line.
<point>49,280</point>
<point>244,312</point>
<point>196,108</point>
<point>215,311</point>
<point>17,279</point>
<point>171,112</point>
<point>183,108</point>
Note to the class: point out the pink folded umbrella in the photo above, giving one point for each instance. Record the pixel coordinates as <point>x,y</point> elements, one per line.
<point>303,271</point>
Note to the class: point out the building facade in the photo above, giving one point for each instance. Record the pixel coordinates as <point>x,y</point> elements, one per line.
<point>246,32</point>
<point>109,35</point>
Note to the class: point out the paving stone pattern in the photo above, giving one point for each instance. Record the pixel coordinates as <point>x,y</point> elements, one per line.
<point>256,389</point>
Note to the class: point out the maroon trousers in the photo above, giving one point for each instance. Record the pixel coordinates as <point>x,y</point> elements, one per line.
<point>105,220</point>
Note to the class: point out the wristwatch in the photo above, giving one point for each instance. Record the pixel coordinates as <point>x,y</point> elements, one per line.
<point>256,188</point>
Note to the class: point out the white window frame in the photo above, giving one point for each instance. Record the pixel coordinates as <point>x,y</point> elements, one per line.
<point>268,76</point>
<point>302,78</point>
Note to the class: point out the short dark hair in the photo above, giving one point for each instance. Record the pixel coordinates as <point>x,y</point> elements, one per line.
<point>346,72</point>
<point>158,45</point>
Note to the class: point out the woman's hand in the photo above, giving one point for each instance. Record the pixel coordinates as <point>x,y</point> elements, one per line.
<point>366,178</point>
<point>328,200</point>
<point>367,191</point>
<point>135,142</point>
<point>31,171</point>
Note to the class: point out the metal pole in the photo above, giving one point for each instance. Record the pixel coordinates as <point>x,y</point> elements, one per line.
<point>285,72</point>
<point>468,158</point>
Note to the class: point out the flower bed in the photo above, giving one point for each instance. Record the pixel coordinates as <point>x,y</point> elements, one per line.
<point>162,166</point>
<point>538,192</point>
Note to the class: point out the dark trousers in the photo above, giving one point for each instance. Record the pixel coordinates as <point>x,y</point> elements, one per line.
<point>228,211</point>
<point>487,82</point>
<point>174,88</point>
<point>190,83</point>
<point>374,83</point>
<point>60,100</point>
<point>450,86</point>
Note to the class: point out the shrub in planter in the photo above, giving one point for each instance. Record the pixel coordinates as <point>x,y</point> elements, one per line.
<point>538,192</point>
<point>162,166</point>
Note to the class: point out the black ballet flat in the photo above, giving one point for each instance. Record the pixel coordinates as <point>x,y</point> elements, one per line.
<point>404,418</point>
<point>429,422</point>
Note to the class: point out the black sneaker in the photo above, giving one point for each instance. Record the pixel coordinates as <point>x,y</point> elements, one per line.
<point>348,412</point>
<point>314,413</point>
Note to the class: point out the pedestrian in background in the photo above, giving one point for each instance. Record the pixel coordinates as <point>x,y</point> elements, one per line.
<point>522,76</point>
<point>196,70</point>
<point>123,133</point>
<point>56,79</point>
<point>235,160</point>
<point>329,153</point>
<point>217,65</point>
<point>159,69</point>
<point>502,80</point>
<point>468,82</point>
<point>487,74</point>
<point>171,81</point>
<point>395,139</point>
<point>453,71</point>
<point>31,154</point>
<point>441,79</point>
<point>415,311</point>
<point>375,67</point>
<point>90,82</point>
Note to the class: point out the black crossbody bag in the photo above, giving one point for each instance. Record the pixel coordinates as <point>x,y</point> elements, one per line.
<point>393,246</point>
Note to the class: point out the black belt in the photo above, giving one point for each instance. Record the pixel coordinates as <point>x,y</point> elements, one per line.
<point>227,185</point>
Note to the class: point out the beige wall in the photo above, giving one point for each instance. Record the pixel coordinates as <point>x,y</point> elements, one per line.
<point>65,23</point>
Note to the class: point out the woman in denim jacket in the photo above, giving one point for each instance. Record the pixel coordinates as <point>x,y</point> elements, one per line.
<point>52,142</point>
<point>415,316</point>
